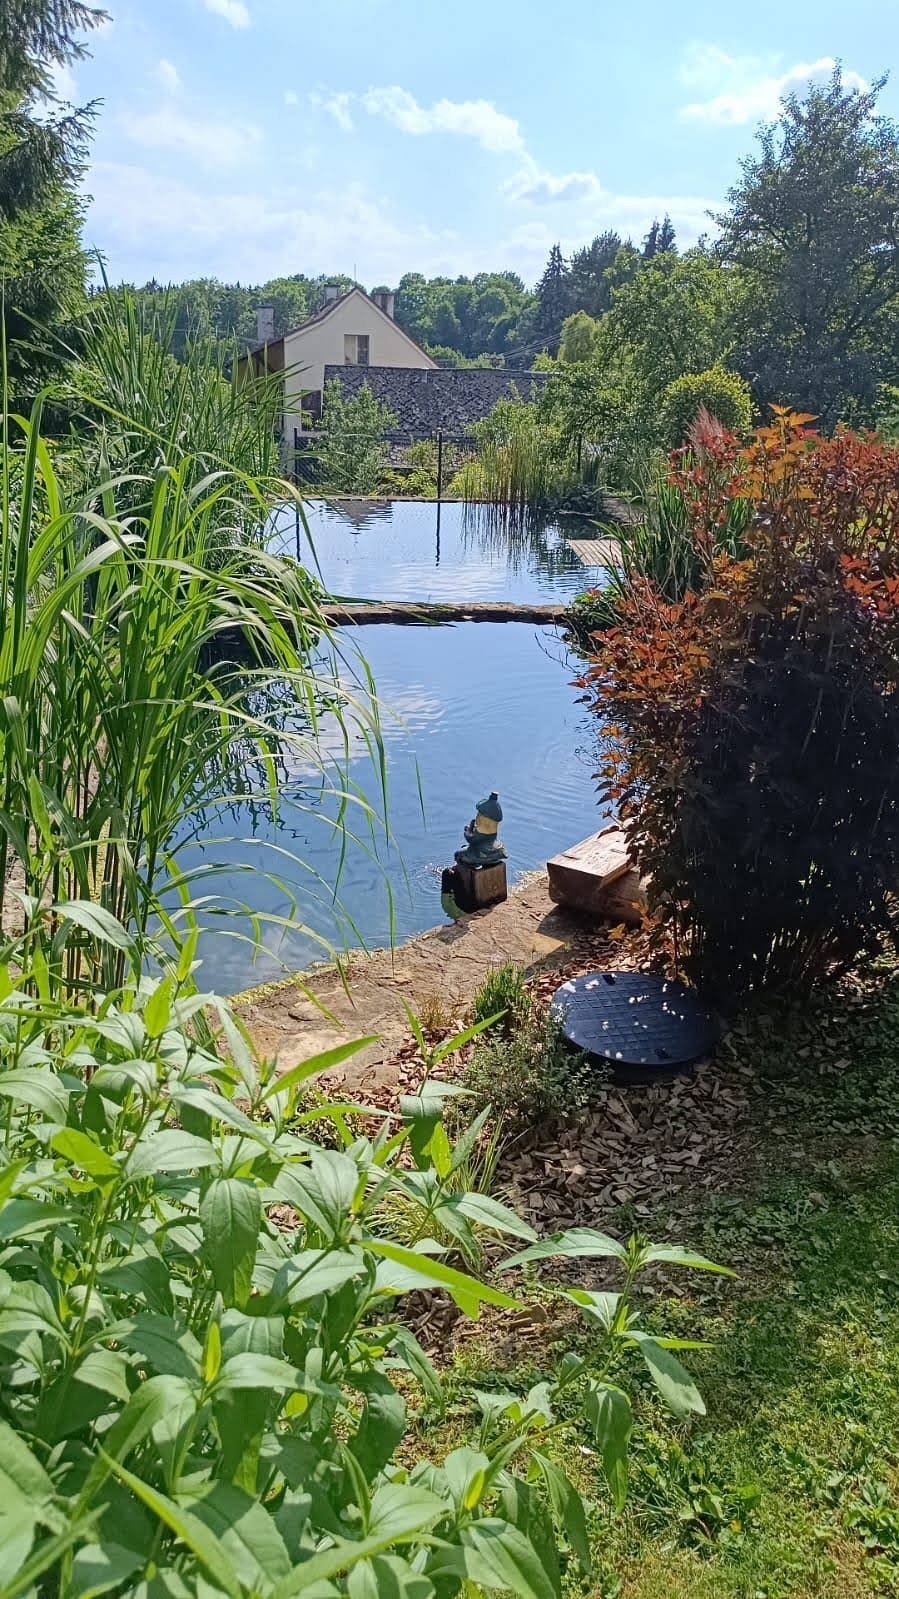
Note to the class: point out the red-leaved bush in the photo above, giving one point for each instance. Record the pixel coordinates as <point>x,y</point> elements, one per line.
<point>751,728</point>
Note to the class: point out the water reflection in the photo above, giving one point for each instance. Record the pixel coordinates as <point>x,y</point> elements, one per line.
<point>422,550</point>
<point>462,709</point>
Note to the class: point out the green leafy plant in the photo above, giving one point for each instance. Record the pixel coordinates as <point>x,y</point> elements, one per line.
<point>530,1076</point>
<point>352,453</point>
<point>503,993</point>
<point>432,1055</point>
<point>207,1372</point>
<point>678,1489</point>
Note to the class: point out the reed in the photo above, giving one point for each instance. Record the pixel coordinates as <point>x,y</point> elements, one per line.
<point>521,465</point>
<point>132,406</point>
<point>124,706</point>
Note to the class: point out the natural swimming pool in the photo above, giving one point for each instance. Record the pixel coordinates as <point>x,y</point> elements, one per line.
<point>417,550</point>
<point>464,708</point>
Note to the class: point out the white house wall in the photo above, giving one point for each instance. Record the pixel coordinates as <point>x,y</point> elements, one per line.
<point>309,350</point>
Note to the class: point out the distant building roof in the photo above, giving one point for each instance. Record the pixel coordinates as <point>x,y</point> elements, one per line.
<point>424,400</point>
<point>325,312</point>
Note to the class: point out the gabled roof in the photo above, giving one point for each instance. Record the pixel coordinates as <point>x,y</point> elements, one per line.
<point>326,311</point>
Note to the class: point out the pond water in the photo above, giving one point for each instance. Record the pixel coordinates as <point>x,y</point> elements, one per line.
<point>467,708</point>
<point>417,550</point>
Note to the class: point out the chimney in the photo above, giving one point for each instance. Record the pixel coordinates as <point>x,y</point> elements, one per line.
<point>384,299</point>
<point>265,324</point>
<point>332,293</point>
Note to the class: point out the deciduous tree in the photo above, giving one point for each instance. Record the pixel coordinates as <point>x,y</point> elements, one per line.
<point>813,225</point>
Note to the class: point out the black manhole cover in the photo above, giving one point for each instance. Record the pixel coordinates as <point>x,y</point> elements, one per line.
<point>635,1019</point>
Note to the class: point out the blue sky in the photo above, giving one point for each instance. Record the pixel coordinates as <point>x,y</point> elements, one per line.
<point>249,138</point>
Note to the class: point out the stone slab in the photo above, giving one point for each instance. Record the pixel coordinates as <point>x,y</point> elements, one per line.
<point>314,1011</point>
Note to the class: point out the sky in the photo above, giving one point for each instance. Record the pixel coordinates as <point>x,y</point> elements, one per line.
<point>248,139</point>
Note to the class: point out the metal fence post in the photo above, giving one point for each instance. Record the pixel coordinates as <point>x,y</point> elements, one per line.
<point>439,465</point>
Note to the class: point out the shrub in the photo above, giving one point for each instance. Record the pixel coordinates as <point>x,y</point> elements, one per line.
<point>530,1076</point>
<point>503,993</point>
<point>752,727</point>
<point>353,451</point>
<point>588,613</point>
<point>201,1327</point>
<point>723,394</point>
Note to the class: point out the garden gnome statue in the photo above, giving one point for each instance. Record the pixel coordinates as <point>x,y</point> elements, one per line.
<point>482,846</point>
<point>480,870</point>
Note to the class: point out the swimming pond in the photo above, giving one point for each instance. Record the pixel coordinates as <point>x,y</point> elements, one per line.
<point>419,550</point>
<point>464,709</point>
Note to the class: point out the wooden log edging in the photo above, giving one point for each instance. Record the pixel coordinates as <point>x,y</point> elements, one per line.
<point>411,613</point>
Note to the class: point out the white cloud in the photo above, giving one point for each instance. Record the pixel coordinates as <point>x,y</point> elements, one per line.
<point>749,89</point>
<point>473,119</point>
<point>291,97</point>
<point>233,11</point>
<point>214,144</point>
<point>250,235</point>
<point>337,105</point>
<point>167,75</point>
<point>551,188</point>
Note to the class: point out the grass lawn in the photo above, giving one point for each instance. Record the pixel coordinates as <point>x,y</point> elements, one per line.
<point>790,1484</point>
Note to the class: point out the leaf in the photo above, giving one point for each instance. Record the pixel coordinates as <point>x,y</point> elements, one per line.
<point>496,1555</point>
<point>21,1469</point>
<point>41,1090</point>
<point>415,1359</point>
<point>609,1413</point>
<point>387,1577</point>
<point>575,1243</point>
<point>399,1511</point>
<point>673,1381</point>
<point>98,1567</point>
<point>466,1473</point>
<point>158,1008</point>
<point>96,920</point>
<point>231,1218</point>
<point>314,1272</point>
<point>21,1216</point>
<point>186,1526</point>
<point>468,1293</point>
<point>44,1556</point>
<point>383,1423</point>
<point>488,1212</point>
<point>247,1533</point>
<point>169,1150</point>
<point>155,1398</point>
<point>143,1275</point>
<point>84,1152</point>
<point>322,1190</point>
<point>596,1302</point>
<point>107,1370</point>
<point>250,1370</point>
<point>458,1041</point>
<point>212,1352</point>
<point>674,1255</point>
<point>170,1348</point>
<point>568,1507</point>
<point>316,1064</point>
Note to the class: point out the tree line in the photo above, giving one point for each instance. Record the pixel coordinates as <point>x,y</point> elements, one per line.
<point>796,290</point>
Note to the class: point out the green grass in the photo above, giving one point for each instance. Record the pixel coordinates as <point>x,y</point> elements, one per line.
<point>790,1485</point>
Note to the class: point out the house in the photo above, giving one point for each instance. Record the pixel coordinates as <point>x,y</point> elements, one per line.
<point>351,330</point>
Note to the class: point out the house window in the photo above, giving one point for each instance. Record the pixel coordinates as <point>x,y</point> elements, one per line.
<point>355,349</point>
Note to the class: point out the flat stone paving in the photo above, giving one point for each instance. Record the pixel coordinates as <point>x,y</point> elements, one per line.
<point>288,1020</point>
